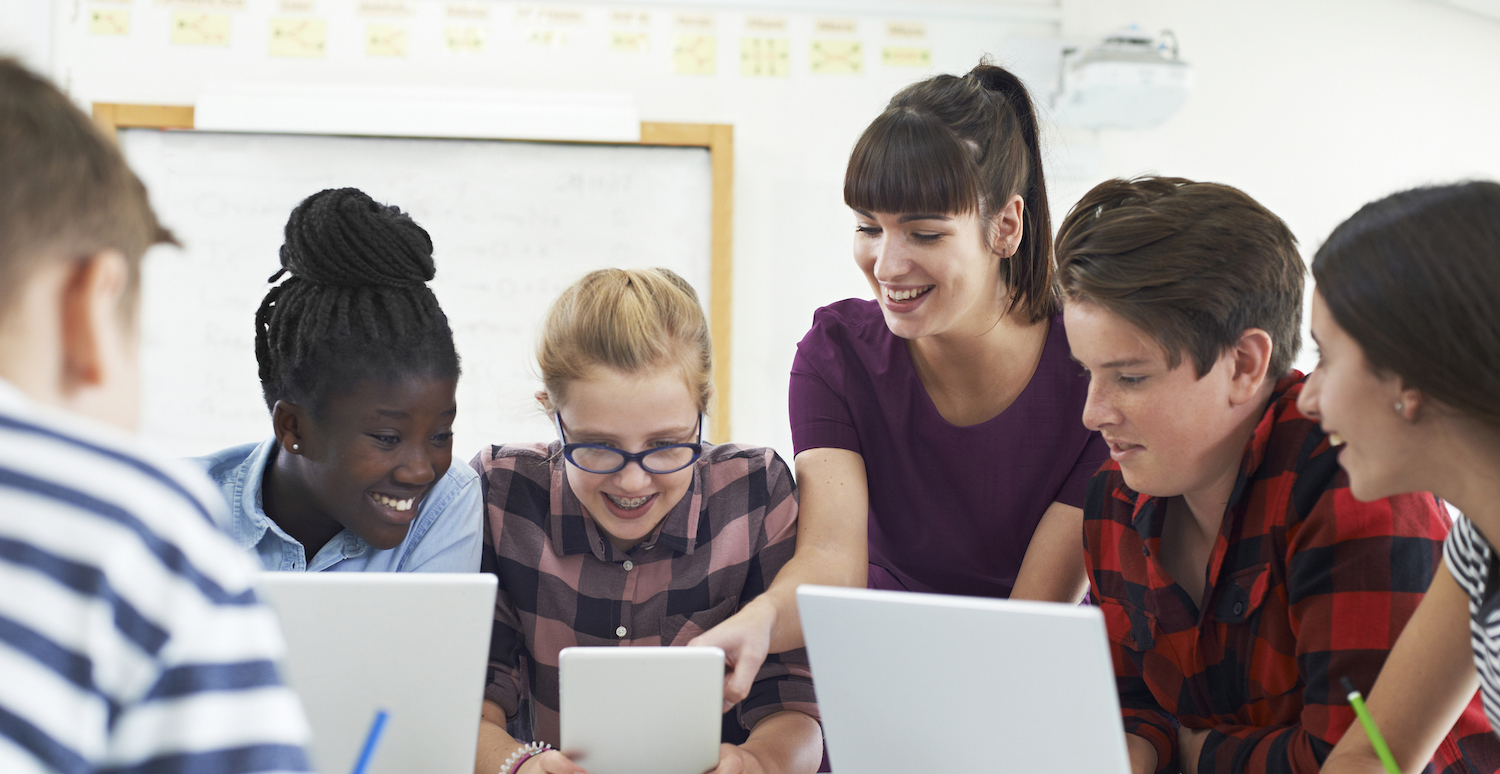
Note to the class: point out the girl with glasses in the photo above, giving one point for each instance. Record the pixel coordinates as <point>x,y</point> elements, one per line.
<point>628,529</point>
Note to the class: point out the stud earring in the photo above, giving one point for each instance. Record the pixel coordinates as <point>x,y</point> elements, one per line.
<point>1400,407</point>
<point>296,447</point>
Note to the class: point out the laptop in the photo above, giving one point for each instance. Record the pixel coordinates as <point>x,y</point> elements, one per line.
<point>642,710</point>
<point>413,644</point>
<point>930,682</point>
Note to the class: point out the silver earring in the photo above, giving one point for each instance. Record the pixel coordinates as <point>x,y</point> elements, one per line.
<point>296,447</point>
<point>1400,407</point>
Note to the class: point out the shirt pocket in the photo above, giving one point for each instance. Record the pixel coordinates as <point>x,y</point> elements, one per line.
<point>1242,594</point>
<point>1132,626</point>
<point>1241,609</point>
<point>679,629</point>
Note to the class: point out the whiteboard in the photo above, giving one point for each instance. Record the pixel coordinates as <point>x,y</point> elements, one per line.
<point>512,224</point>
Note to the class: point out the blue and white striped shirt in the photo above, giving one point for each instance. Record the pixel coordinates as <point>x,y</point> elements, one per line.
<point>130,638</point>
<point>1469,556</point>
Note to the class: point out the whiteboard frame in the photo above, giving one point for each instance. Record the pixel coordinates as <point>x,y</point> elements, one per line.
<point>718,139</point>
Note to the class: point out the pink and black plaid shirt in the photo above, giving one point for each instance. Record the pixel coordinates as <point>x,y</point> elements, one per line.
<point>562,583</point>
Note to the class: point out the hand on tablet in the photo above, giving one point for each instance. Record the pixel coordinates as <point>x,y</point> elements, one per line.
<point>737,760</point>
<point>550,762</point>
<point>745,637</point>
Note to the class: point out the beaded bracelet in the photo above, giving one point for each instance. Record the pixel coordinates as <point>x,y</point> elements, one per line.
<point>523,754</point>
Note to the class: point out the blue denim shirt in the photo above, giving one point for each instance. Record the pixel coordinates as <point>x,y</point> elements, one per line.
<point>446,536</point>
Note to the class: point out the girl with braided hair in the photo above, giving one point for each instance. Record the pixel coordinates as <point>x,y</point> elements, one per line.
<point>936,425</point>
<point>358,369</point>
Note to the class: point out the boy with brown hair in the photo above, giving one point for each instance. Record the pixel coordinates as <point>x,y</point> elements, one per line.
<point>1238,578</point>
<point>130,638</point>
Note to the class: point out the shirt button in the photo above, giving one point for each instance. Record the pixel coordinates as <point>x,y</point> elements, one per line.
<point>629,565</point>
<point>620,631</point>
<point>1239,607</point>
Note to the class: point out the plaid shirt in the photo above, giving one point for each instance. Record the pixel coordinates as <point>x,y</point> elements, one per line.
<point>562,583</point>
<point>1306,585</point>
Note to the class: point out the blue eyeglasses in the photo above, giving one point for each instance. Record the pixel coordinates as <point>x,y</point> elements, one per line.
<point>598,458</point>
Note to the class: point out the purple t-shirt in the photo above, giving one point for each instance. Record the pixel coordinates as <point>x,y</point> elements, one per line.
<point>952,508</point>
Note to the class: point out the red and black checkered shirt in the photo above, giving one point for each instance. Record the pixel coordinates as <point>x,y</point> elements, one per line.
<point>562,583</point>
<point>1305,585</point>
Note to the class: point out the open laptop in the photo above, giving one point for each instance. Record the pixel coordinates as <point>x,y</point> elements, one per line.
<point>413,644</point>
<point>929,682</point>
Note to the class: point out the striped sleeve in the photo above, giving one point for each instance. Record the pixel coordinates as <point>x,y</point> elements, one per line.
<point>1468,556</point>
<point>130,638</point>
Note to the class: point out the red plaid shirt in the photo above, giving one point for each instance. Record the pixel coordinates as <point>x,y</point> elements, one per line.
<point>1306,585</point>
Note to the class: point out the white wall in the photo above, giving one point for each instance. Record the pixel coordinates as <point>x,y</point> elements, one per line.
<point>25,32</point>
<point>1313,108</point>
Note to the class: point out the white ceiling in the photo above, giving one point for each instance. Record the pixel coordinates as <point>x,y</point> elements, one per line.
<point>1490,8</point>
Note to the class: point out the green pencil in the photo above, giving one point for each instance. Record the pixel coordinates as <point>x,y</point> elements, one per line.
<point>1376,740</point>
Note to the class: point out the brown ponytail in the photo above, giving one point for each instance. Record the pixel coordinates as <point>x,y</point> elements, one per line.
<point>963,144</point>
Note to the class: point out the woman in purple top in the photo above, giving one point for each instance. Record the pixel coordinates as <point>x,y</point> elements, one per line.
<point>938,428</point>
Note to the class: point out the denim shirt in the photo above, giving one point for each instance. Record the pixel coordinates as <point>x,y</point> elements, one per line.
<point>445,537</point>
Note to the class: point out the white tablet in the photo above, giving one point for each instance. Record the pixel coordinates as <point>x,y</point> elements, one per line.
<point>642,710</point>
<point>415,644</point>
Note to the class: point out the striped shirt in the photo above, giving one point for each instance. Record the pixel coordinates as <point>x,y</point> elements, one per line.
<point>1472,562</point>
<point>130,639</point>
<point>562,583</point>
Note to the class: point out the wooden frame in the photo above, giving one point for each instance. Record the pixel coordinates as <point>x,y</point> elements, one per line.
<point>718,139</point>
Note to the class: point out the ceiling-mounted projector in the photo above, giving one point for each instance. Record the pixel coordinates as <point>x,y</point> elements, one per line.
<point>1131,80</point>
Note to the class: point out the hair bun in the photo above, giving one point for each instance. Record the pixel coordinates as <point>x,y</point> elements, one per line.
<point>340,236</point>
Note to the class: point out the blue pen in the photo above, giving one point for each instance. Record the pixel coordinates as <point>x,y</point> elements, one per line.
<point>371,739</point>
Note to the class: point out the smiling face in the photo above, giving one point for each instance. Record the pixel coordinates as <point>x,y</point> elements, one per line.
<point>1171,432</point>
<point>378,449</point>
<point>631,412</point>
<point>931,273</point>
<point>1356,407</point>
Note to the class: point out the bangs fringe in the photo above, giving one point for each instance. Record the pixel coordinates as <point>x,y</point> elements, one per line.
<point>909,162</point>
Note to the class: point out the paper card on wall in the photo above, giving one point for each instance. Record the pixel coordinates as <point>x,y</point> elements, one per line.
<point>630,18</point>
<point>695,55</point>
<point>204,5</point>
<point>546,14</point>
<point>906,30</point>
<point>836,26</point>
<point>546,36</point>
<point>298,37</point>
<point>765,57</point>
<point>837,57</point>
<point>468,11</point>
<point>906,56</point>
<point>385,8</point>
<point>464,38</point>
<point>628,42</point>
<point>772,24</point>
<point>695,22</point>
<point>194,28</point>
<point>386,40</point>
<point>109,21</point>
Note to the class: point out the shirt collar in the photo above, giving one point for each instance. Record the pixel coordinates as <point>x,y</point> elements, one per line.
<point>1149,510</point>
<point>574,532</point>
<point>248,506</point>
